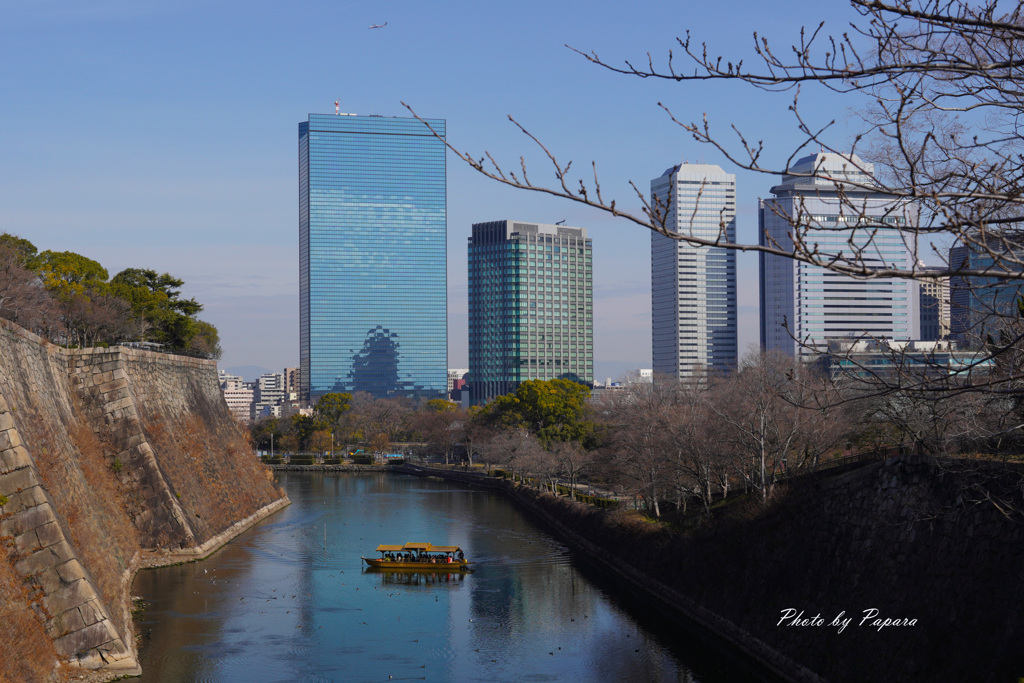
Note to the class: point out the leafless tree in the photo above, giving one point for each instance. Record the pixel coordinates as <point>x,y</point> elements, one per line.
<point>572,460</point>
<point>91,317</point>
<point>938,80</point>
<point>441,429</point>
<point>765,424</point>
<point>373,417</point>
<point>514,449</point>
<point>473,433</point>
<point>696,456</point>
<point>321,441</point>
<point>937,83</point>
<point>23,299</point>
<point>637,442</point>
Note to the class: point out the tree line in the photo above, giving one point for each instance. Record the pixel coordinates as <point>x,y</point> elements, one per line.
<point>71,300</point>
<point>669,444</point>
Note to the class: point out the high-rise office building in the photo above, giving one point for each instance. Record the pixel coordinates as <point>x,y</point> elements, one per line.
<point>934,306</point>
<point>804,306</point>
<point>986,306</point>
<point>693,288</point>
<point>959,295</point>
<point>372,256</point>
<point>531,311</point>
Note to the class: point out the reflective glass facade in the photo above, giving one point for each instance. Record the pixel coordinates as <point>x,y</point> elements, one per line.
<point>372,256</point>
<point>531,306</point>
<point>987,306</point>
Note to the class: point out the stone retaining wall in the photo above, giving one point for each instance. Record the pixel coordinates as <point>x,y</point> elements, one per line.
<point>332,468</point>
<point>105,454</point>
<point>939,542</point>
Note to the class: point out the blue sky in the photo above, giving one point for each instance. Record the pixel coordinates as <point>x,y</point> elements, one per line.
<point>164,135</point>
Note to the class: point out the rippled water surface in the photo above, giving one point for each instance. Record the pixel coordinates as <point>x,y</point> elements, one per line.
<point>289,600</point>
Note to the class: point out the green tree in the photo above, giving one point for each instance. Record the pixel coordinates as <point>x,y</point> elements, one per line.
<point>440,405</point>
<point>205,341</point>
<point>90,311</point>
<point>65,272</point>
<point>553,410</point>
<point>171,319</point>
<point>331,412</point>
<point>302,428</point>
<point>266,432</point>
<point>25,250</point>
<point>329,408</point>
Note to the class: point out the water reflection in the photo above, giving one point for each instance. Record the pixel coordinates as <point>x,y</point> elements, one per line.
<point>289,600</point>
<point>394,577</point>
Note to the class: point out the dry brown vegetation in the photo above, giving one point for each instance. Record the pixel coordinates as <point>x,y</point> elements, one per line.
<point>85,491</point>
<point>902,536</point>
<point>29,652</point>
<point>98,499</point>
<point>205,472</point>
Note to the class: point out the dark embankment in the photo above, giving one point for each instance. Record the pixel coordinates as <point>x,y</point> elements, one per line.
<point>110,460</point>
<point>908,538</point>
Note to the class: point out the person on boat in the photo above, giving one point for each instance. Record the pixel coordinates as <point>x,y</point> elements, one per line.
<point>461,556</point>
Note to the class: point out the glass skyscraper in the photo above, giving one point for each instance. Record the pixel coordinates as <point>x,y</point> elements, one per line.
<point>531,306</point>
<point>804,306</point>
<point>986,307</point>
<point>372,256</point>
<point>693,288</point>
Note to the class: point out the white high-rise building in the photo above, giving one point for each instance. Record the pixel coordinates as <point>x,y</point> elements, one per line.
<point>804,306</point>
<point>693,288</point>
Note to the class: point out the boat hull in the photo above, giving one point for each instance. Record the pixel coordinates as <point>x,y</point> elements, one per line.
<point>455,566</point>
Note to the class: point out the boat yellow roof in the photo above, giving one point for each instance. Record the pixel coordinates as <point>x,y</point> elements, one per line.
<point>417,546</point>
<point>425,547</point>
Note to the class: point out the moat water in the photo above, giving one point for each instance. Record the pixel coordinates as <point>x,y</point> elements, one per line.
<point>289,600</point>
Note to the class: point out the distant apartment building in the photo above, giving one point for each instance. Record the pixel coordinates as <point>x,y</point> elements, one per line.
<point>373,308</point>
<point>456,378</point>
<point>531,311</point>
<point>237,394</point>
<point>292,381</point>
<point>934,307</point>
<point>693,288</point>
<point>269,395</point>
<point>804,306</point>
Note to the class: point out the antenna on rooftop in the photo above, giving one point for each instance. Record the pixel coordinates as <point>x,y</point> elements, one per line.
<point>337,103</point>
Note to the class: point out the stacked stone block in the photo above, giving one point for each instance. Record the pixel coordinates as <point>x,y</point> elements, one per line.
<point>83,413</point>
<point>73,613</point>
<point>101,380</point>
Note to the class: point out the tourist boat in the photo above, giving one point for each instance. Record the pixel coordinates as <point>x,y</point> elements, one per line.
<point>420,557</point>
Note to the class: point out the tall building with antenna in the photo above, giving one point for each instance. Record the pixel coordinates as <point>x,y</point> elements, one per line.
<point>373,312</point>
